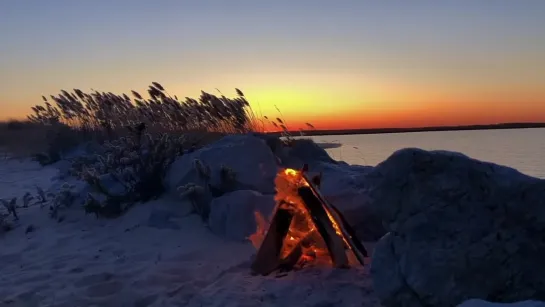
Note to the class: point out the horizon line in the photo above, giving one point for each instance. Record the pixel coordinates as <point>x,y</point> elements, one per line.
<point>498,126</point>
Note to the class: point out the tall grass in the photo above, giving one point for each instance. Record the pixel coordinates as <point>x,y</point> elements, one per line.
<point>68,118</point>
<point>160,112</point>
<point>64,120</point>
<point>138,140</point>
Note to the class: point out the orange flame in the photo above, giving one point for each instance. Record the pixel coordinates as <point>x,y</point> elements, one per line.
<point>302,231</point>
<point>262,226</point>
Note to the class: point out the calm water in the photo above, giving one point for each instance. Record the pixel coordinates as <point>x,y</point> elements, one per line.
<point>523,149</point>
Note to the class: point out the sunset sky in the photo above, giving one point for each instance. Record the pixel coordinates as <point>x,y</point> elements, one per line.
<point>336,64</point>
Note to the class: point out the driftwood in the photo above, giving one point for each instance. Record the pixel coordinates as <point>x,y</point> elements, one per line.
<point>291,260</point>
<point>348,233</point>
<point>334,243</point>
<point>359,248</point>
<point>268,257</point>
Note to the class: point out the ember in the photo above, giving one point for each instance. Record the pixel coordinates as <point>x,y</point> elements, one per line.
<point>305,229</point>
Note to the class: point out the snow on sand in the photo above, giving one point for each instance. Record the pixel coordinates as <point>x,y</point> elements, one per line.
<point>131,261</point>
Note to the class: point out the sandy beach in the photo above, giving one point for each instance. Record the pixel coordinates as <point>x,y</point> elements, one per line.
<point>131,261</point>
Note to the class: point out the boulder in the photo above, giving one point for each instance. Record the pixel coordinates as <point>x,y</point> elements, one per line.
<point>344,187</point>
<point>233,215</point>
<point>248,156</point>
<point>304,151</point>
<point>482,303</point>
<point>342,184</point>
<point>458,228</point>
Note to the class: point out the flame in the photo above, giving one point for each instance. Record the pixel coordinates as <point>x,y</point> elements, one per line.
<point>262,226</point>
<point>302,231</point>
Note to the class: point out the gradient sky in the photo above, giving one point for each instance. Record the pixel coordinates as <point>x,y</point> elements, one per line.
<point>336,64</point>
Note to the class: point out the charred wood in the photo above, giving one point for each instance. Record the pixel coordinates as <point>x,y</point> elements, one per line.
<point>268,256</point>
<point>334,242</point>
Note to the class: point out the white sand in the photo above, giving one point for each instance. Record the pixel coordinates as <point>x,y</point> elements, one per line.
<point>18,176</point>
<point>83,261</point>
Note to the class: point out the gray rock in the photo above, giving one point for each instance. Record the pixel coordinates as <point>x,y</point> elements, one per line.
<point>232,215</point>
<point>459,229</point>
<point>249,156</point>
<point>304,151</point>
<point>255,165</point>
<point>344,187</point>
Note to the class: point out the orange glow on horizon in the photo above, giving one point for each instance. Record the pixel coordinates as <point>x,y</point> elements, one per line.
<point>298,109</point>
<point>382,115</point>
<point>344,103</point>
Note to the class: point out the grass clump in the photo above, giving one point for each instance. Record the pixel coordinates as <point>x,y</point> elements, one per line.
<point>130,170</point>
<point>194,193</point>
<point>64,198</point>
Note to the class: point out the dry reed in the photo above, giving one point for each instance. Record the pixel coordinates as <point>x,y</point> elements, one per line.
<point>160,112</point>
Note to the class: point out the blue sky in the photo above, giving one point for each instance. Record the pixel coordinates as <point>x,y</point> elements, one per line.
<point>469,52</point>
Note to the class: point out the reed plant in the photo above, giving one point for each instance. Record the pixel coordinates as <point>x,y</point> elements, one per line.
<point>160,112</point>
<point>139,138</point>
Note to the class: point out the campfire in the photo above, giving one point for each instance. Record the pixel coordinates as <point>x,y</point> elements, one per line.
<point>304,229</point>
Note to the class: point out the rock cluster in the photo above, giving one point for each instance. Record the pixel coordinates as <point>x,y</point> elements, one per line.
<point>458,229</point>
<point>255,160</point>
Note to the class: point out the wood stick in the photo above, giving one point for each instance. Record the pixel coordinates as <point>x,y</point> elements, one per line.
<point>352,234</point>
<point>291,260</point>
<point>334,242</point>
<point>268,256</point>
<point>348,233</point>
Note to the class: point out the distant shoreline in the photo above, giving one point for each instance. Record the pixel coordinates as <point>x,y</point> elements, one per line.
<point>419,129</point>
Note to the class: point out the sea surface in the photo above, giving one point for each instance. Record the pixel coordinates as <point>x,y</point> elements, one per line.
<point>522,149</point>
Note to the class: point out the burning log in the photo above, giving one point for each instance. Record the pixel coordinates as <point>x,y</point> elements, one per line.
<point>292,259</point>
<point>344,227</point>
<point>360,252</point>
<point>304,229</point>
<point>268,257</point>
<point>334,242</point>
